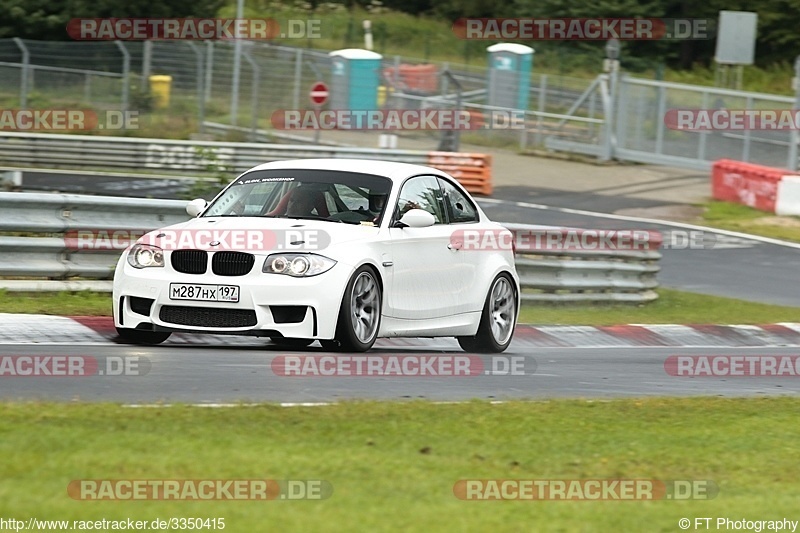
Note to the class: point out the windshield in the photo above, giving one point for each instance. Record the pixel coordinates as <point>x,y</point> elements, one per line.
<point>329,195</point>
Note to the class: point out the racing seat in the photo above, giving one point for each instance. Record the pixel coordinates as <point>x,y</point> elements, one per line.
<point>319,204</point>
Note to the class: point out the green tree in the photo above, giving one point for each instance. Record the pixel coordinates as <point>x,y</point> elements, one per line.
<point>47,19</point>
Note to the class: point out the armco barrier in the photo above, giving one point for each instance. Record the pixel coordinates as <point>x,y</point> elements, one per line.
<point>195,157</point>
<point>752,185</point>
<point>611,275</point>
<point>48,262</point>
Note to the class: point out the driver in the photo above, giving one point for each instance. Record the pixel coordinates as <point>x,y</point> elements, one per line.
<point>301,202</point>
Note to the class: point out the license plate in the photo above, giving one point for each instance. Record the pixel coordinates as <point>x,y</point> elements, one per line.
<point>203,293</point>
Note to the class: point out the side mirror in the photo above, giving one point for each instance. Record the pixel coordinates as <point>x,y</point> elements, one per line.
<point>417,218</point>
<point>195,207</point>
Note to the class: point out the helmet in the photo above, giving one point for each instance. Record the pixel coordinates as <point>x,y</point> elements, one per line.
<point>377,201</point>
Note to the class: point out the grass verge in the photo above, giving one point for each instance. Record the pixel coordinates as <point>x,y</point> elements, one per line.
<point>393,465</point>
<point>671,307</point>
<point>735,217</point>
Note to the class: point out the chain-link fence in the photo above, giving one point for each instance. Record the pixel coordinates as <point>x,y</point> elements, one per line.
<point>563,113</point>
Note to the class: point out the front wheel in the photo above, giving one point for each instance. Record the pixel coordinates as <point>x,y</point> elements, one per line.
<point>360,313</point>
<point>497,319</point>
<point>139,336</point>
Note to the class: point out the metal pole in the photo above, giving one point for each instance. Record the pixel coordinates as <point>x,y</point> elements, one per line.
<point>147,56</point>
<point>662,109</point>
<point>621,134</point>
<point>209,68</point>
<point>537,138</point>
<point>701,145</point>
<point>23,85</point>
<point>237,66</point>
<point>253,96</point>
<point>612,50</point>
<point>794,136</point>
<point>126,71</point>
<point>298,77</point>
<point>747,133</point>
<point>201,105</point>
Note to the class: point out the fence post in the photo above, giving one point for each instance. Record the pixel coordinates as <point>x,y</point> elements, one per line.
<point>201,105</point>
<point>621,134</point>
<point>746,145</point>
<point>23,85</point>
<point>237,66</point>
<point>209,68</point>
<point>147,58</point>
<point>298,77</point>
<point>794,136</point>
<point>253,95</point>
<point>126,71</point>
<point>662,109</point>
<point>701,145</point>
<point>537,139</point>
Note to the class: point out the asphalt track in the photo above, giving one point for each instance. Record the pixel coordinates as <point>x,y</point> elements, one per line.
<point>213,374</point>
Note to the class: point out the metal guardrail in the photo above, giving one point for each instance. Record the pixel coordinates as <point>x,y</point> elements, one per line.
<point>545,275</point>
<point>552,275</point>
<point>105,153</point>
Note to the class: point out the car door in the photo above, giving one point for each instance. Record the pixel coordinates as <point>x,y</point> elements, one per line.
<point>466,262</point>
<point>422,285</point>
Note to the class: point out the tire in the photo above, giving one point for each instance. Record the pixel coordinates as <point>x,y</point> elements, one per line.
<point>498,318</point>
<point>289,342</point>
<point>359,314</point>
<point>138,336</point>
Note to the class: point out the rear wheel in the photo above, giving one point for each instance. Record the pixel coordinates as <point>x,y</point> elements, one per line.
<point>359,315</point>
<point>289,342</point>
<point>497,319</point>
<point>138,336</point>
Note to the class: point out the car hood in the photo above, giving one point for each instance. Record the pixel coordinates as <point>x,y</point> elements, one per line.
<point>256,235</point>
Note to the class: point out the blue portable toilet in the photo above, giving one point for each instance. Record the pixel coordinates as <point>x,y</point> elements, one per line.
<point>510,66</point>
<point>355,76</point>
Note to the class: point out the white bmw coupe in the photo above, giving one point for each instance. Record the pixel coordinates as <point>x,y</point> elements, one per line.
<point>335,250</point>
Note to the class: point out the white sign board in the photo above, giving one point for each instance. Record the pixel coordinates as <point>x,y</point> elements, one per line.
<point>736,38</point>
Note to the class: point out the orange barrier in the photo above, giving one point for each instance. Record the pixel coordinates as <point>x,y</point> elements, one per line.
<point>419,78</point>
<point>473,171</point>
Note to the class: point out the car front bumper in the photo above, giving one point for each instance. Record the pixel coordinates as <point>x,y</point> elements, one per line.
<point>269,304</point>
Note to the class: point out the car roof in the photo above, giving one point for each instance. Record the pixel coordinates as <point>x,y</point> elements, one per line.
<point>389,169</point>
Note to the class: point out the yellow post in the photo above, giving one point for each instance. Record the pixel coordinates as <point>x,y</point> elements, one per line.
<point>160,87</point>
<point>381,95</point>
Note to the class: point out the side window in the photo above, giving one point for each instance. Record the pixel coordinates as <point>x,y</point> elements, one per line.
<point>461,208</point>
<point>423,193</point>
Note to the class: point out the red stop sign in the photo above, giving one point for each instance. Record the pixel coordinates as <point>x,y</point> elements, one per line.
<point>319,93</point>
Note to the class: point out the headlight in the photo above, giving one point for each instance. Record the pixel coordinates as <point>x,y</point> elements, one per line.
<point>145,255</point>
<point>297,265</point>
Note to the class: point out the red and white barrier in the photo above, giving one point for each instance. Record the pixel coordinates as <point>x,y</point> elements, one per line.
<point>769,189</point>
